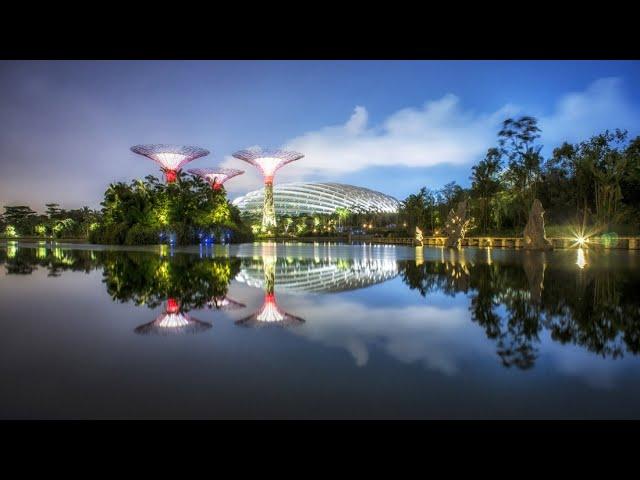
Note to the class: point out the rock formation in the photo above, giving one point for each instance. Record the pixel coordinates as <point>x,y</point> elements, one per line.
<point>457,225</point>
<point>534,237</point>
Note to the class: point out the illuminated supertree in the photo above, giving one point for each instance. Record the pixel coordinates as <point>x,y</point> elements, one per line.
<point>216,176</point>
<point>270,313</point>
<point>173,321</point>
<point>171,158</point>
<point>268,162</point>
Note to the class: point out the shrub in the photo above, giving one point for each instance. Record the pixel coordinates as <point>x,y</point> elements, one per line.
<point>114,234</point>
<point>142,235</point>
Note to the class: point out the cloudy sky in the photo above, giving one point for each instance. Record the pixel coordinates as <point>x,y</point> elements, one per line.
<point>391,126</point>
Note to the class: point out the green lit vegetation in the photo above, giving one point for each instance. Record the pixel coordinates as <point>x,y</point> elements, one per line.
<point>147,211</point>
<point>21,221</point>
<point>594,184</point>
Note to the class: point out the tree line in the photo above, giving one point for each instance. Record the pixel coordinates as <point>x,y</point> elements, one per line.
<point>56,222</point>
<point>595,182</point>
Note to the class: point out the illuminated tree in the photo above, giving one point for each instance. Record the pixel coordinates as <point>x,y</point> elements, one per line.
<point>216,176</point>
<point>268,162</point>
<point>171,158</point>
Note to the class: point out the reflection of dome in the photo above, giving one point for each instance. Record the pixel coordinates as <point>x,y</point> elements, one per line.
<point>314,197</point>
<point>270,314</point>
<point>322,276</point>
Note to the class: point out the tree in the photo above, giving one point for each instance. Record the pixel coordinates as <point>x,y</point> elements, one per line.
<point>517,142</point>
<point>20,217</point>
<point>485,183</point>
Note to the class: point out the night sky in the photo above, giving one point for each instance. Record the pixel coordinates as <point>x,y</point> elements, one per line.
<point>391,126</point>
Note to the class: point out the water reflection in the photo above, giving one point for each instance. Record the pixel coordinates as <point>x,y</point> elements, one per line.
<point>269,313</point>
<point>520,300</point>
<point>173,321</point>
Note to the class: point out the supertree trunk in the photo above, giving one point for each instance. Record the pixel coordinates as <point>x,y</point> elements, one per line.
<point>269,210</point>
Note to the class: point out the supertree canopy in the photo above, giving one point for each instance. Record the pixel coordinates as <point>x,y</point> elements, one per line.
<point>171,158</point>
<point>269,313</point>
<point>216,176</point>
<point>173,321</point>
<point>224,303</point>
<point>268,161</point>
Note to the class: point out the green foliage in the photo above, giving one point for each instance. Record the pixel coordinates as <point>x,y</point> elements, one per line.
<point>136,213</point>
<point>595,182</point>
<point>141,235</point>
<point>10,231</point>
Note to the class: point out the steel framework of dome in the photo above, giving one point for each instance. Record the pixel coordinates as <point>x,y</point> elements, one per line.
<point>323,276</point>
<point>268,161</point>
<point>171,158</point>
<point>310,198</point>
<point>216,176</point>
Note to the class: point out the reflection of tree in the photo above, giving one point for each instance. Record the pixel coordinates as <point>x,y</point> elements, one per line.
<point>597,309</point>
<point>146,278</point>
<point>604,316</point>
<point>447,277</point>
<point>24,261</point>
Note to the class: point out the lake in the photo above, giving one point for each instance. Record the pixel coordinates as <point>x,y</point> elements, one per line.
<point>316,331</point>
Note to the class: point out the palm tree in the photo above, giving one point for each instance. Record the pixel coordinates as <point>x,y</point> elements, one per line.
<point>343,213</point>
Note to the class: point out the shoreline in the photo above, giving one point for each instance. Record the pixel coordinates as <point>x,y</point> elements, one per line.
<point>512,243</point>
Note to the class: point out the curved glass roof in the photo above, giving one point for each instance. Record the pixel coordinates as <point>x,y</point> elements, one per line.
<point>314,197</point>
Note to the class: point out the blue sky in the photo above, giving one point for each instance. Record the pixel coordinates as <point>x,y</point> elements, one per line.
<point>387,125</point>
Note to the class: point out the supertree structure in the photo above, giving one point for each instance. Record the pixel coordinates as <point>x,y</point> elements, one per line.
<point>269,313</point>
<point>268,161</point>
<point>216,176</point>
<point>224,303</point>
<point>173,321</point>
<point>171,158</point>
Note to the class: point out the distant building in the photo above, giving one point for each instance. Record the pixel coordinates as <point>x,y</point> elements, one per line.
<point>310,198</point>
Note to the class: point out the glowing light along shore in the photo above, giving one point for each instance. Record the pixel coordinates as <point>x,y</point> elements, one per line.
<point>171,158</point>
<point>268,161</point>
<point>216,176</point>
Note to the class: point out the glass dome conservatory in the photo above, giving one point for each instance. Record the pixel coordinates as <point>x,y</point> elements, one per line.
<point>308,198</point>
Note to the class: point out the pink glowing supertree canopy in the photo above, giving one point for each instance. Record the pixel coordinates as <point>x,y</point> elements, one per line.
<point>173,321</point>
<point>267,160</point>
<point>171,158</point>
<point>270,314</point>
<point>216,176</point>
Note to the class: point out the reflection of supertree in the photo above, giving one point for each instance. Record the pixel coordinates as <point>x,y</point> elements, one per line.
<point>172,321</point>
<point>270,313</point>
<point>268,162</point>
<point>224,303</point>
<point>171,158</point>
<point>216,176</point>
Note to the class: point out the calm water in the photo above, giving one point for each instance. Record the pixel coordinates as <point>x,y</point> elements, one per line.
<point>318,331</point>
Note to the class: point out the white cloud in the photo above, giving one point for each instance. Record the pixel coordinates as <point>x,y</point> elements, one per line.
<point>439,132</point>
<point>578,115</point>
